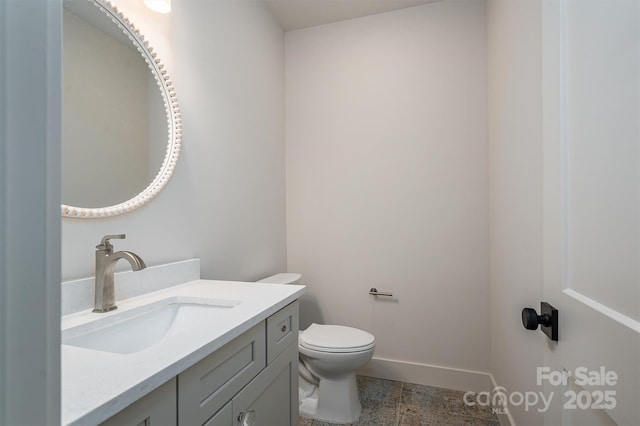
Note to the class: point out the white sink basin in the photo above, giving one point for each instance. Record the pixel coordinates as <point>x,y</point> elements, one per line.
<point>136,329</point>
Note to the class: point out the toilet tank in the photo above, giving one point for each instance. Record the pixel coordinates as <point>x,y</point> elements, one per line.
<point>282,278</point>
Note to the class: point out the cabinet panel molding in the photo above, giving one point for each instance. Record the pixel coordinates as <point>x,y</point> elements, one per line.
<point>205,387</point>
<point>282,330</point>
<point>224,417</point>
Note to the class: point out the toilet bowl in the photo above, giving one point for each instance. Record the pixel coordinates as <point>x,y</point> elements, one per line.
<point>329,357</point>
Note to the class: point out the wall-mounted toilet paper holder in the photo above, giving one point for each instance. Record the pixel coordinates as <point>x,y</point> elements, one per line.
<point>374,291</point>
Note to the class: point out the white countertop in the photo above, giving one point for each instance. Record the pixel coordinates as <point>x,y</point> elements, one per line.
<point>96,385</point>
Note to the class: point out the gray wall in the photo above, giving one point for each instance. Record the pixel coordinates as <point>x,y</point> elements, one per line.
<point>225,202</point>
<point>387,179</point>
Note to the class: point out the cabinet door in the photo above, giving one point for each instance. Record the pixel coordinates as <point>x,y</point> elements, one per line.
<point>272,397</point>
<point>207,386</point>
<point>224,417</point>
<point>159,408</point>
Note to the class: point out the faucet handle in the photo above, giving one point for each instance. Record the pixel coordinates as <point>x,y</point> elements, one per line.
<point>106,245</point>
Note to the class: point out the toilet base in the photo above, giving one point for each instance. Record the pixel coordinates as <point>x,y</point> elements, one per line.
<point>333,400</point>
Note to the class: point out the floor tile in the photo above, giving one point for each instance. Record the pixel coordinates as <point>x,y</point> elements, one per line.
<point>414,416</point>
<point>392,403</point>
<point>305,421</point>
<point>444,402</point>
<point>419,416</point>
<point>420,395</point>
<point>379,389</point>
<point>377,412</point>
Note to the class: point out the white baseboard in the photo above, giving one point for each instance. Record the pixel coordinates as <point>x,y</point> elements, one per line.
<point>430,375</point>
<point>504,416</point>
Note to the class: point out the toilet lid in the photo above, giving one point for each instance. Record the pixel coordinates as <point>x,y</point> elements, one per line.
<point>336,338</point>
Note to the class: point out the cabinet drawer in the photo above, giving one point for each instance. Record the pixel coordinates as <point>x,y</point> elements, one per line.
<point>282,330</point>
<point>204,388</point>
<point>157,408</point>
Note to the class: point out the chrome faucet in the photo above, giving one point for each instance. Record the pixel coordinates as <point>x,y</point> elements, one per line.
<point>104,299</point>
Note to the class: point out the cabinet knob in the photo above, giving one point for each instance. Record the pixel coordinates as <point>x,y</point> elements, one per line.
<point>283,328</point>
<point>248,418</point>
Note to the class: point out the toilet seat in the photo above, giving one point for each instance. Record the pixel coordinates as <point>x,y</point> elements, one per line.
<point>336,339</point>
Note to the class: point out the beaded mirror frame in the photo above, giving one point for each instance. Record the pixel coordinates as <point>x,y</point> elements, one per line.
<point>174,122</point>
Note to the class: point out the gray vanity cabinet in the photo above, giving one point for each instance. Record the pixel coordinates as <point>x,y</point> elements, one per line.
<point>271,399</point>
<point>155,409</point>
<point>224,417</point>
<point>207,386</point>
<point>250,381</point>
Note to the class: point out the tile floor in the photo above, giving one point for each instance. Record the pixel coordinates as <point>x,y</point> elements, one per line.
<point>391,403</point>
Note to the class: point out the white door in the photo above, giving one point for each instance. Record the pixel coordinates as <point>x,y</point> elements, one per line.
<point>591,98</point>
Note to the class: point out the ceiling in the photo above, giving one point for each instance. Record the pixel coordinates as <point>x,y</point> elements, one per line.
<point>297,14</point>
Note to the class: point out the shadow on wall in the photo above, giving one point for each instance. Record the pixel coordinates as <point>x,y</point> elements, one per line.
<point>309,311</point>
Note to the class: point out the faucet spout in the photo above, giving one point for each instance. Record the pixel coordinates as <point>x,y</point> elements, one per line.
<point>106,259</point>
<point>134,260</point>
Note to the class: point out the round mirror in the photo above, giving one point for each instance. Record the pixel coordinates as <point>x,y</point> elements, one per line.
<point>119,106</point>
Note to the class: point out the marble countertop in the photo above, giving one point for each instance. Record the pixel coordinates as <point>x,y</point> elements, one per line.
<point>96,385</point>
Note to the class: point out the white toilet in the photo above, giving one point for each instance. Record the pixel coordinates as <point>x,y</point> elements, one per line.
<point>329,358</point>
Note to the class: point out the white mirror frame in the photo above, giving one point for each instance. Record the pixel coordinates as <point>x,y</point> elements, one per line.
<point>174,121</point>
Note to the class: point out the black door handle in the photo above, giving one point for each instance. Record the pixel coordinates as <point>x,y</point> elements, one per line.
<point>531,319</point>
<point>547,320</point>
